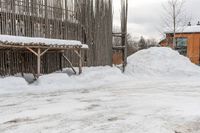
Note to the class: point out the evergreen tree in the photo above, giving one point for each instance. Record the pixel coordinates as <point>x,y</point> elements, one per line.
<point>142,43</point>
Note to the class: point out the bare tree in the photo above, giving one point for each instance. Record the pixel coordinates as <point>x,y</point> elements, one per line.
<point>152,42</point>
<point>174,16</point>
<point>132,44</point>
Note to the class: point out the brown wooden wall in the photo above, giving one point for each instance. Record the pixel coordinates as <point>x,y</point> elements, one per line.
<point>14,61</point>
<point>117,58</point>
<point>89,21</point>
<point>193,48</point>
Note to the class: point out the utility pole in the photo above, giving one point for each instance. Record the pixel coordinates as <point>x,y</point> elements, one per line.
<point>123,33</point>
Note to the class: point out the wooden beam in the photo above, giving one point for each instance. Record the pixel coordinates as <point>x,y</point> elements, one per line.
<point>78,53</point>
<point>119,33</point>
<point>69,63</point>
<point>119,36</point>
<point>38,62</point>
<point>118,47</point>
<point>44,52</point>
<point>31,50</point>
<point>80,61</point>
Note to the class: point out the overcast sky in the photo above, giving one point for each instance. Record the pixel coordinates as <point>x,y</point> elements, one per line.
<point>145,16</point>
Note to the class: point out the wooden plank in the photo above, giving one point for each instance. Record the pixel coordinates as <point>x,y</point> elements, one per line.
<point>79,54</point>
<point>38,63</point>
<point>80,62</point>
<point>32,51</point>
<point>69,63</point>
<point>44,52</point>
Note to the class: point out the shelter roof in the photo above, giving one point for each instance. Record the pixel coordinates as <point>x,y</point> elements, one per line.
<point>44,42</point>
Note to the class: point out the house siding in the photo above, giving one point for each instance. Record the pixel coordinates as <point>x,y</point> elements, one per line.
<point>193,47</point>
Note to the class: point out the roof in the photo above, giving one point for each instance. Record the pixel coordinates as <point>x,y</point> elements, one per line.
<point>184,29</point>
<point>162,40</point>
<point>22,41</point>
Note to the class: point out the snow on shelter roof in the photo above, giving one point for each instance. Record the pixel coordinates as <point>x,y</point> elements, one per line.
<point>37,41</point>
<point>185,29</point>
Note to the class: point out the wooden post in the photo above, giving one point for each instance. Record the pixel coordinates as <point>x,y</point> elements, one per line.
<point>61,61</point>
<point>69,63</point>
<point>80,61</point>
<point>38,62</point>
<point>22,64</point>
<point>39,54</point>
<point>80,64</point>
<point>124,15</point>
<point>199,51</point>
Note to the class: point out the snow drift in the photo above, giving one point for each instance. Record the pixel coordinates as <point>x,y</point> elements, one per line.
<point>159,61</point>
<point>153,63</point>
<point>12,84</point>
<point>92,77</point>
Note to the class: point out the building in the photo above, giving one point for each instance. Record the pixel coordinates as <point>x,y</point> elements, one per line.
<point>187,41</point>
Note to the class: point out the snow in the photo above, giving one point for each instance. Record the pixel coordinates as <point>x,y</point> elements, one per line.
<point>104,100</point>
<point>9,83</point>
<point>90,78</point>
<point>159,61</point>
<point>34,40</point>
<point>185,29</point>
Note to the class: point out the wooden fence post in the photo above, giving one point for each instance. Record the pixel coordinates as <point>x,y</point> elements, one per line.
<point>80,61</point>
<point>38,62</point>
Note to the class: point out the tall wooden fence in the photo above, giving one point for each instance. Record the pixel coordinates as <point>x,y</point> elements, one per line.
<point>89,21</point>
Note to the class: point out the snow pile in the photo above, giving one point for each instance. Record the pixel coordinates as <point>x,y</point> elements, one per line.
<point>91,77</point>
<point>10,84</point>
<point>55,80</point>
<point>160,62</point>
<point>96,76</point>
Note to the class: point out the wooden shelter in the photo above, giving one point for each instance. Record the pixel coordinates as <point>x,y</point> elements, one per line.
<point>36,55</point>
<point>187,42</point>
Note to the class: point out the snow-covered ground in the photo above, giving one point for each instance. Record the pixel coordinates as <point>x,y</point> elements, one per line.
<point>152,98</point>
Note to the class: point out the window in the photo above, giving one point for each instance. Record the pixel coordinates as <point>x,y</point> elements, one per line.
<point>181,45</point>
<point>181,42</point>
